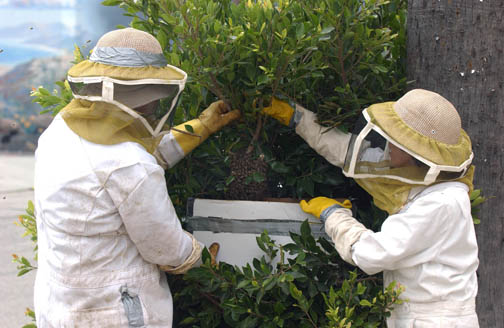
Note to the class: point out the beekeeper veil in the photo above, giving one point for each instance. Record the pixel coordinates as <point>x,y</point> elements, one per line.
<point>126,91</point>
<point>417,140</point>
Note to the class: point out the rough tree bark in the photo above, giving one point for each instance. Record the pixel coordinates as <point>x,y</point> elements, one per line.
<point>455,47</point>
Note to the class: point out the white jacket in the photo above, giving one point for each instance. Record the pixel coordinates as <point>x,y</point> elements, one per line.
<point>429,247</point>
<point>105,222</point>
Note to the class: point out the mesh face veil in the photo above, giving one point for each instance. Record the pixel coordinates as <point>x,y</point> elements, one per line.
<point>147,101</point>
<point>136,89</point>
<point>417,140</point>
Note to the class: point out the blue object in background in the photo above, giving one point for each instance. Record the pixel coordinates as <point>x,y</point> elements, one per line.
<point>37,38</point>
<point>45,28</point>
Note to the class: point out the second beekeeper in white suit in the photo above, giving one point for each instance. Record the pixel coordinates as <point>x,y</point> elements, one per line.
<point>413,157</point>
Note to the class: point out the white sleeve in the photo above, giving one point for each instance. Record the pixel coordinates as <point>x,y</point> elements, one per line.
<point>140,195</point>
<point>332,144</point>
<point>170,150</point>
<point>406,239</point>
<point>344,231</point>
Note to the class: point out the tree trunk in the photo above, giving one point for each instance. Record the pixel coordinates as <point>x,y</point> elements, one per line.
<point>455,47</point>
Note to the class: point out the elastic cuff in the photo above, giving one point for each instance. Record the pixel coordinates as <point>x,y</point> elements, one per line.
<point>328,211</point>
<point>190,262</point>
<point>159,159</point>
<point>296,116</point>
<point>170,150</point>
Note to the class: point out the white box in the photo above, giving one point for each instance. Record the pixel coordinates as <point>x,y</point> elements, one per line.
<point>235,224</point>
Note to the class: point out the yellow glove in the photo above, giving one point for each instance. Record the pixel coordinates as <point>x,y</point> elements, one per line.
<point>279,110</point>
<point>218,115</point>
<point>211,120</point>
<point>316,206</point>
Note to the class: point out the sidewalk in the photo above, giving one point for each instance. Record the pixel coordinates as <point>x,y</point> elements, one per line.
<point>16,188</point>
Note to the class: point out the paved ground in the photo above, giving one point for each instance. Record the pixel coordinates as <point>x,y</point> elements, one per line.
<point>16,188</point>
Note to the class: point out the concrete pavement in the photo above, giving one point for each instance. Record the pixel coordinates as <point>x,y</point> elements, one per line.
<point>16,189</point>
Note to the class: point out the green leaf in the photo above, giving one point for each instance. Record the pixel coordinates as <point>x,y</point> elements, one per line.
<point>175,59</point>
<point>25,261</point>
<point>279,307</point>
<point>479,200</point>
<point>475,194</point>
<point>360,289</point>
<point>260,295</point>
<point>308,186</point>
<point>262,79</point>
<point>300,30</point>
<point>269,283</point>
<point>78,56</point>
<point>381,68</point>
<point>258,177</point>
<point>305,229</point>
<point>243,283</point>
<point>189,128</point>
<point>44,92</point>
<point>205,255</point>
<point>261,244</point>
<point>162,38</point>
<point>188,320</point>
<point>217,26</point>
<point>229,179</point>
<point>30,209</point>
<point>111,2</point>
<point>284,33</point>
<point>325,37</point>
<point>279,167</point>
<point>327,30</point>
<point>247,271</point>
<point>249,322</point>
<point>295,293</point>
<point>365,303</point>
<point>169,19</point>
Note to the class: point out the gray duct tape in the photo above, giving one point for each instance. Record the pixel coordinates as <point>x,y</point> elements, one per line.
<point>274,227</point>
<point>296,118</point>
<point>132,307</point>
<point>126,57</point>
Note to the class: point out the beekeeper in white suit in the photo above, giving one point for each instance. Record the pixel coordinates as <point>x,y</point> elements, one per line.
<point>105,222</point>
<point>414,158</point>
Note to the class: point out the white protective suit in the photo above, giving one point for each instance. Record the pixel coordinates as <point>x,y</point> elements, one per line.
<point>429,246</point>
<point>105,222</point>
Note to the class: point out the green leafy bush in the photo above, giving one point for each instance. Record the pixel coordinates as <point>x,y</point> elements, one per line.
<point>476,200</point>
<point>29,224</point>
<point>333,57</point>
<point>315,288</point>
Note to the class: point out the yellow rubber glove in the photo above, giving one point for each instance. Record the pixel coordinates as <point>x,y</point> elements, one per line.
<point>218,115</point>
<point>279,110</point>
<point>317,205</point>
<point>211,120</point>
